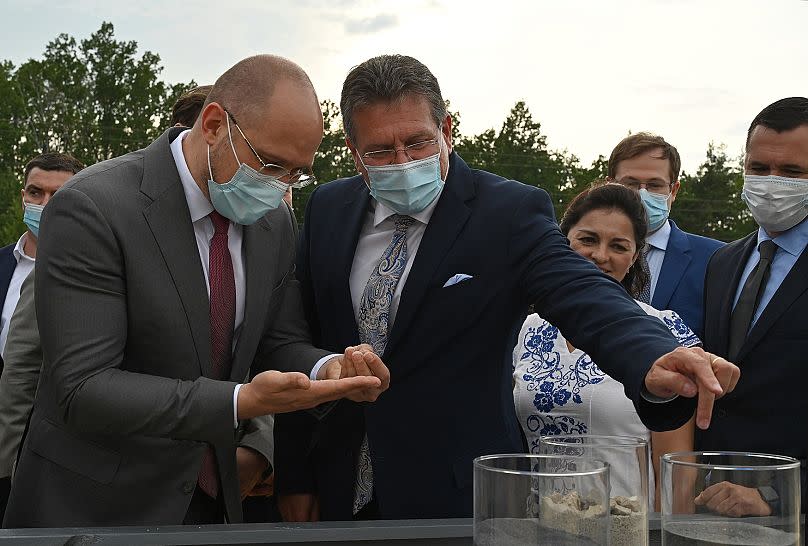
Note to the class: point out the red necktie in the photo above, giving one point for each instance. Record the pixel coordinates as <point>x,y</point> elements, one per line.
<point>222,319</point>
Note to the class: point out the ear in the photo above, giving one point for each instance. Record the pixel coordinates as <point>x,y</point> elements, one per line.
<point>446,129</point>
<point>212,120</point>
<point>674,191</point>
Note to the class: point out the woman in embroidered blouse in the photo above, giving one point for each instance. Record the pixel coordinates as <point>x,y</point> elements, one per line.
<point>557,388</point>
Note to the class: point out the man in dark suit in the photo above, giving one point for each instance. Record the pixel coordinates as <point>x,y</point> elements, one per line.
<point>166,277</point>
<point>675,260</point>
<point>756,302</point>
<point>438,276</point>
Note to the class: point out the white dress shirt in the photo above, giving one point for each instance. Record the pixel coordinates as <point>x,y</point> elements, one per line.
<point>374,238</point>
<point>200,207</point>
<point>657,245</point>
<point>25,264</point>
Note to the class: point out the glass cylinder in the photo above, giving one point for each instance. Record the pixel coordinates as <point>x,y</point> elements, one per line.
<point>522,499</point>
<point>629,464</point>
<point>730,498</point>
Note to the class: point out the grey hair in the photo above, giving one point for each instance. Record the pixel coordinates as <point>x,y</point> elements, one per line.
<point>389,78</point>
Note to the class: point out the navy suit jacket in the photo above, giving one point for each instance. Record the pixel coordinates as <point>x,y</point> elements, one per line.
<point>8,263</point>
<point>766,412</point>
<point>449,350</point>
<point>680,286</point>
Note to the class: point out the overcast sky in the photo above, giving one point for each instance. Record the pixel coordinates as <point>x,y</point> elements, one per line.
<point>590,71</point>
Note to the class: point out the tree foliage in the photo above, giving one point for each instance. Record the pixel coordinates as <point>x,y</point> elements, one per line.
<point>99,97</point>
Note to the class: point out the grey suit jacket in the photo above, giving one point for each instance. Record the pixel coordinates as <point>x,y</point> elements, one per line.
<point>21,374</point>
<point>23,360</point>
<point>125,410</point>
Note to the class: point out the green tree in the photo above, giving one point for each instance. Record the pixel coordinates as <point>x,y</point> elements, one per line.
<point>96,99</point>
<point>709,202</point>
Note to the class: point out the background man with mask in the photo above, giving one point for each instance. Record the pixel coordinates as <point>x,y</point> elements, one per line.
<point>44,175</point>
<point>756,310</point>
<point>166,277</point>
<point>438,277</point>
<point>675,260</point>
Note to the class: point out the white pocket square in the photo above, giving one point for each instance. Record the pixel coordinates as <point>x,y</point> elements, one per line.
<point>454,279</point>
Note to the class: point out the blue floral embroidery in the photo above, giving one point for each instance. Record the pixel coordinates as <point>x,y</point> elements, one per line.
<point>548,425</point>
<point>680,330</point>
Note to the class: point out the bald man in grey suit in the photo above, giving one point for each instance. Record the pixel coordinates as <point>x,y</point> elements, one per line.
<point>136,416</point>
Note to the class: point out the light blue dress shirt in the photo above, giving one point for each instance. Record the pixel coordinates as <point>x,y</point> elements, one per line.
<point>790,246</point>
<point>657,245</point>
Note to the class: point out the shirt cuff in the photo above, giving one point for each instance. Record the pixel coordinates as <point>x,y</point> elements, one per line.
<point>235,406</point>
<point>315,370</point>
<point>654,399</point>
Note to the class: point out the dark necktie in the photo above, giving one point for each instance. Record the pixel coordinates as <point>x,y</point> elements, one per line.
<point>222,284</point>
<point>645,295</point>
<point>750,297</point>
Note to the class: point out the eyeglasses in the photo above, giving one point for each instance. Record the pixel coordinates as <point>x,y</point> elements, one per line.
<point>654,186</point>
<point>294,179</point>
<point>418,150</point>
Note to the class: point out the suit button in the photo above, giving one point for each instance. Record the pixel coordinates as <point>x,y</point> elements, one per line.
<point>720,413</point>
<point>188,487</point>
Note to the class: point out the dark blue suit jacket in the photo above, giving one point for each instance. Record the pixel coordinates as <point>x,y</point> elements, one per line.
<point>767,410</point>
<point>680,286</point>
<point>449,350</point>
<point>8,263</point>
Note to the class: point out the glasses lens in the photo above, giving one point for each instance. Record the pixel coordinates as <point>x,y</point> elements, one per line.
<point>301,180</point>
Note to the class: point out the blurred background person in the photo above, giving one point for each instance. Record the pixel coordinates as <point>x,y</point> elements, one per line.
<point>43,176</point>
<point>558,389</point>
<point>189,105</point>
<point>675,260</point>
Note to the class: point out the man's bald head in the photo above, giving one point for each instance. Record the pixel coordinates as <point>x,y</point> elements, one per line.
<point>245,89</point>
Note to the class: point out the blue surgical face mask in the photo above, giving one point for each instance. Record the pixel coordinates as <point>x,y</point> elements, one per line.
<point>248,195</point>
<point>407,188</point>
<point>656,207</point>
<point>31,216</point>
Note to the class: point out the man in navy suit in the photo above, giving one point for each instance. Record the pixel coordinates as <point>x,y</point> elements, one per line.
<point>756,307</point>
<point>44,174</point>
<point>676,260</point>
<point>434,265</point>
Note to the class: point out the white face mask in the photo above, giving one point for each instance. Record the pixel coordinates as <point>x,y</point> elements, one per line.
<point>777,203</point>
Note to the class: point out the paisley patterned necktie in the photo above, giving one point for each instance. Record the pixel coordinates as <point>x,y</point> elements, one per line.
<point>374,326</point>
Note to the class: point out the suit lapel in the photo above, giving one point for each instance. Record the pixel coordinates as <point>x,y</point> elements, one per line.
<point>795,283</point>
<point>735,264</point>
<point>677,258</point>
<point>260,254</point>
<point>170,222</point>
<point>446,223</point>
<point>352,215</point>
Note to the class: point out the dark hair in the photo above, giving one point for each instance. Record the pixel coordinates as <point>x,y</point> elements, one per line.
<point>388,78</point>
<point>188,106</point>
<point>53,161</point>
<point>783,115</point>
<point>605,196</point>
<point>640,143</point>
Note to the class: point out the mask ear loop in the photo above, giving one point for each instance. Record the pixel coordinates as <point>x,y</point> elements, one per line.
<point>232,147</point>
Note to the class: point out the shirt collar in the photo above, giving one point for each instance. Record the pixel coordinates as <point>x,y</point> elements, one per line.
<point>198,204</point>
<point>792,241</point>
<point>19,249</point>
<point>383,212</point>
<point>659,238</point>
